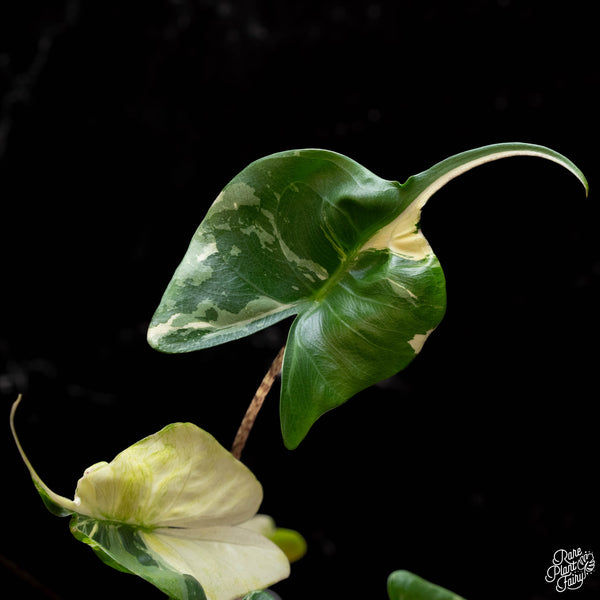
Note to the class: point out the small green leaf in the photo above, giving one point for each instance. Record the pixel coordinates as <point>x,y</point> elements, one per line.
<point>403,585</point>
<point>290,541</point>
<point>315,234</point>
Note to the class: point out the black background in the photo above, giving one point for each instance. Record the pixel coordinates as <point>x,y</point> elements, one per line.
<point>121,121</point>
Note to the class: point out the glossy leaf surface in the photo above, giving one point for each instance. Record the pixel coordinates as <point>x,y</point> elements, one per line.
<point>403,585</point>
<point>315,234</point>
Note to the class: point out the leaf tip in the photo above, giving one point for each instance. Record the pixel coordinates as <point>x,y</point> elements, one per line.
<point>56,504</point>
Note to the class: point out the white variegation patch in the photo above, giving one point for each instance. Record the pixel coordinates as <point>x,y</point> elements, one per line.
<point>418,341</point>
<point>229,198</point>
<point>258,308</point>
<point>402,290</point>
<point>265,238</point>
<point>307,267</point>
<point>194,268</point>
<point>159,331</point>
<point>402,236</point>
<point>206,251</point>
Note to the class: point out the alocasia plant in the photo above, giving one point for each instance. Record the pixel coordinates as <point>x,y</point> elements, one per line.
<point>312,233</point>
<point>178,510</point>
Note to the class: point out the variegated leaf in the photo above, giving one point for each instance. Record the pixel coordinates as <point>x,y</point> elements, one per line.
<point>313,233</point>
<point>123,547</point>
<point>178,510</point>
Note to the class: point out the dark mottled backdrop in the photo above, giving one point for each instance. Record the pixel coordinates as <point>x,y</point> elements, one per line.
<point>119,124</point>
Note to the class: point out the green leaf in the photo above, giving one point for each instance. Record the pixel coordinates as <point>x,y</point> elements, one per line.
<point>291,542</point>
<point>403,585</point>
<point>313,233</point>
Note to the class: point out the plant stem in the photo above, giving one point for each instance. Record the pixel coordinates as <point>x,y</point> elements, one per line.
<point>252,412</point>
<point>27,577</point>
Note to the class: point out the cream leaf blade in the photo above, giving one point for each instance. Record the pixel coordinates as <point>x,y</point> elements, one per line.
<point>56,504</point>
<point>178,477</point>
<point>229,561</point>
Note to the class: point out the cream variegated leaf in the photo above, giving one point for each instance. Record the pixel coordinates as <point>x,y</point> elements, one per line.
<point>173,509</point>
<point>312,233</point>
